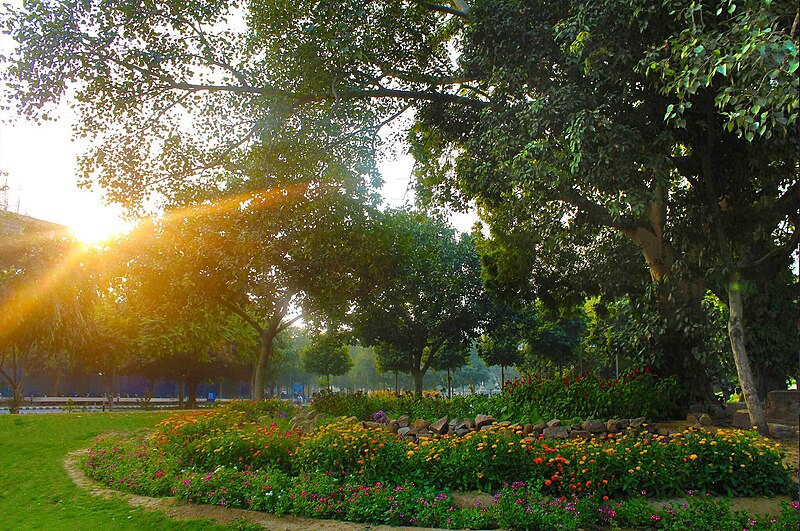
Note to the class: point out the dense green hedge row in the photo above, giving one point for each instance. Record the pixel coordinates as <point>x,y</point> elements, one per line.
<point>533,399</point>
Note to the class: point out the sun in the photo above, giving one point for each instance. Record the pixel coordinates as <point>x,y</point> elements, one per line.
<point>97,229</point>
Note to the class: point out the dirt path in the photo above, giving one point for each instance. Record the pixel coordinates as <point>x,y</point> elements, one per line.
<point>178,510</point>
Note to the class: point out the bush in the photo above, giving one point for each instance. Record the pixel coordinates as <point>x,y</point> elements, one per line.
<point>590,396</point>
<point>530,400</point>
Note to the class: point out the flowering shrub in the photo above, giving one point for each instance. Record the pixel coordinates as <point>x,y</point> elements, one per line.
<point>228,436</point>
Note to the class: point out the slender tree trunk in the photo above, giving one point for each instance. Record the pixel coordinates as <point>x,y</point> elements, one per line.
<point>56,381</point>
<point>502,376</point>
<point>735,303</point>
<point>191,388</point>
<point>396,382</point>
<point>181,395</point>
<point>108,384</point>
<point>736,333</point>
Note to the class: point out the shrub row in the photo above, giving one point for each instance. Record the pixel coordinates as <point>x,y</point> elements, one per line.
<point>587,396</point>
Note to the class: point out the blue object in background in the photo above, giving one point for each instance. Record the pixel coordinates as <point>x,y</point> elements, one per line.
<point>212,397</point>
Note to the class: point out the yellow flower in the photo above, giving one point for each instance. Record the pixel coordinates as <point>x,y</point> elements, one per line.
<point>693,457</point>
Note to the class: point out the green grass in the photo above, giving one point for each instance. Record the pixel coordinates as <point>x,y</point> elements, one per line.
<point>37,493</point>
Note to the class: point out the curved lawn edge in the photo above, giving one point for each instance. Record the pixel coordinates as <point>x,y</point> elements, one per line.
<point>178,510</point>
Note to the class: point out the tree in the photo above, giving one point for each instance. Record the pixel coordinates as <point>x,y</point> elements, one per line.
<point>425,294</point>
<point>327,355</point>
<point>45,303</point>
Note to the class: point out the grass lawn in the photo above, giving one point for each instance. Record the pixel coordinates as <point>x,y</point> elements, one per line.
<point>37,493</point>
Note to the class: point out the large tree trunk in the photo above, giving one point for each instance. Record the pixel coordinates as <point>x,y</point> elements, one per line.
<point>736,333</point>
<point>191,388</point>
<point>264,357</point>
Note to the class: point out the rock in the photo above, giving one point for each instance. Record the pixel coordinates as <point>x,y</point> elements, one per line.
<point>580,434</point>
<point>540,427</point>
<point>460,425</point>
<point>556,432</point>
<point>624,424</point>
<point>440,426</point>
<point>461,431</point>
<point>665,432</point>
<point>637,422</point>
<point>404,430</point>
<point>782,406</point>
<point>593,426</point>
<point>705,420</point>
<point>613,426</point>
<point>573,427</point>
<point>485,427</point>
<point>484,420</point>
<point>453,422</point>
<point>741,419</point>
<point>527,429</point>
<point>421,424</point>
<point>393,426</point>
<point>372,425</point>
<point>693,418</point>
<point>698,409</point>
<point>469,424</point>
<point>782,431</point>
<point>553,423</point>
<point>404,421</point>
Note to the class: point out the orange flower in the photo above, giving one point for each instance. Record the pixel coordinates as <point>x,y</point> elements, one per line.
<point>548,482</point>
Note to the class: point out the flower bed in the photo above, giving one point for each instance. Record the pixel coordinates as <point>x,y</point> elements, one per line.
<point>346,470</point>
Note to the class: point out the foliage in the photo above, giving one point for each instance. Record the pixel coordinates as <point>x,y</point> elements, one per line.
<point>363,406</point>
<point>590,396</point>
<point>327,355</point>
<point>425,297</point>
<point>531,399</point>
<point>742,50</point>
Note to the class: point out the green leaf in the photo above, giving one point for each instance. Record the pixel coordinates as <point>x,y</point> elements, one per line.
<point>793,67</point>
<point>699,49</point>
<point>723,69</point>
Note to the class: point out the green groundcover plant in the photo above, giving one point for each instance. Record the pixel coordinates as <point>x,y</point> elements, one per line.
<point>244,456</point>
<point>530,399</point>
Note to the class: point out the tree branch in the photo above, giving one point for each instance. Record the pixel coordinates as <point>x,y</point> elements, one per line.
<point>447,9</point>
<point>238,311</point>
